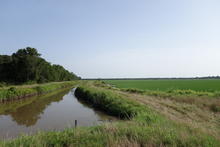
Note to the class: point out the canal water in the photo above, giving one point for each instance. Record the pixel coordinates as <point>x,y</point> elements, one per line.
<point>47,113</point>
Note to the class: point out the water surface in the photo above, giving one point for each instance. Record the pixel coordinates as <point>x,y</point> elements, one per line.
<point>48,112</point>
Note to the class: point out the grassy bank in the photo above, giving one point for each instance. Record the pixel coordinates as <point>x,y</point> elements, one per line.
<point>17,92</point>
<point>111,102</point>
<point>141,127</point>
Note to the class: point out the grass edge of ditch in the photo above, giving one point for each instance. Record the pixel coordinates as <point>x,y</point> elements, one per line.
<point>13,93</point>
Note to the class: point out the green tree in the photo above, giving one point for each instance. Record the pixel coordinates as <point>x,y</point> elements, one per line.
<point>26,65</point>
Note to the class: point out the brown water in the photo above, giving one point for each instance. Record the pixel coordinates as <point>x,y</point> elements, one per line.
<point>48,112</point>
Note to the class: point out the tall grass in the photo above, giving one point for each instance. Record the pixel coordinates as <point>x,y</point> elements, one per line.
<point>13,93</point>
<point>112,103</point>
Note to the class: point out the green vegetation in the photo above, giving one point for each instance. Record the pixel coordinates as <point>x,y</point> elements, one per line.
<point>109,102</point>
<point>26,66</point>
<point>11,93</point>
<point>170,88</point>
<point>143,127</point>
<point>174,93</point>
<point>202,85</point>
<point>203,93</point>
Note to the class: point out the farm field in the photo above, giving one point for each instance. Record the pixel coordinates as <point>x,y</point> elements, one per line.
<point>208,85</point>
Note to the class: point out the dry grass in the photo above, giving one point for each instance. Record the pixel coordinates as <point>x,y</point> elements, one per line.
<point>195,114</point>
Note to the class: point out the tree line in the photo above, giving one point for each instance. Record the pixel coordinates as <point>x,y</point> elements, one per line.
<point>27,65</point>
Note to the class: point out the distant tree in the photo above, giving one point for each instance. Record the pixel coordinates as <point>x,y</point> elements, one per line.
<point>5,67</point>
<point>32,52</point>
<point>27,65</point>
<point>5,59</point>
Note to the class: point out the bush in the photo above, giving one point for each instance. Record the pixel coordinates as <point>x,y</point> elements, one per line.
<point>12,89</point>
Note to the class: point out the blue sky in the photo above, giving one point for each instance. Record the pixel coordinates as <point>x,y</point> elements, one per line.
<point>117,38</point>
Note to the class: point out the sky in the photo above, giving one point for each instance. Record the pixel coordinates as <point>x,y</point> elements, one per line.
<point>117,38</point>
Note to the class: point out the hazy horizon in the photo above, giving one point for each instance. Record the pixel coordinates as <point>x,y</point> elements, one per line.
<point>117,39</point>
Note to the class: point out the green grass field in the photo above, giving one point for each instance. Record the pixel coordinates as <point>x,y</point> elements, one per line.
<point>164,85</point>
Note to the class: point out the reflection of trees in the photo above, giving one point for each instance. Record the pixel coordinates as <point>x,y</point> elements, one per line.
<point>29,114</point>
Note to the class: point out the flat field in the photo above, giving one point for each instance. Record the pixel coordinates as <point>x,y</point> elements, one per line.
<point>209,85</point>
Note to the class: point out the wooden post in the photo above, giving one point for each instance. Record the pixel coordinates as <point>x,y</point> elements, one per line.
<point>75,123</point>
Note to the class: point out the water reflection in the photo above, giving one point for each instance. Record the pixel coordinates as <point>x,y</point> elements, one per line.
<point>48,112</point>
<point>28,114</point>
